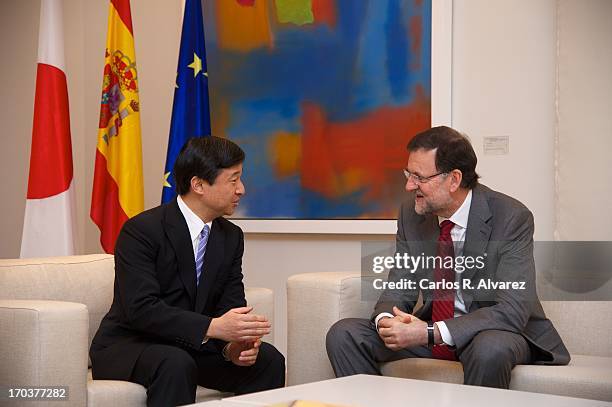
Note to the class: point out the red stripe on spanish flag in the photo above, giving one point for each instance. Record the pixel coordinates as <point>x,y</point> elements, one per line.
<point>106,196</point>
<point>123,9</point>
<point>118,183</point>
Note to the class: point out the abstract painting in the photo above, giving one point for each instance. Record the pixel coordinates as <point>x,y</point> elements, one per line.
<point>323,96</point>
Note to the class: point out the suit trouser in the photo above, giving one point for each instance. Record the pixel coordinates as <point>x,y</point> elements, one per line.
<point>354,347</point>
<point>171,374</point>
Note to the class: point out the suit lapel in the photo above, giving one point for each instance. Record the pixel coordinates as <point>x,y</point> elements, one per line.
<point>212,262</point>
<point>477,235</point>
<point>428,231</point>
<point>178,235</point>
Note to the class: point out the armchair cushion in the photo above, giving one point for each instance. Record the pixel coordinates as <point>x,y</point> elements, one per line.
<point>44,343</point>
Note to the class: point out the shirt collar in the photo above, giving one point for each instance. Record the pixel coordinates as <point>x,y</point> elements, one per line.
<point>461,215</point>
<point>194,223</point>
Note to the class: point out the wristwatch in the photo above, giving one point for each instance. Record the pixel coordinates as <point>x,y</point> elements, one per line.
<point>430,335</point>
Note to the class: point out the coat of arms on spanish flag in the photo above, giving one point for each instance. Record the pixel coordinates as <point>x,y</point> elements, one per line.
<point>118,183</point>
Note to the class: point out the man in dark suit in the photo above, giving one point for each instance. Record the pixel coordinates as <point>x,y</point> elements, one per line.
<point>179,317</point>
<point>466,314</point>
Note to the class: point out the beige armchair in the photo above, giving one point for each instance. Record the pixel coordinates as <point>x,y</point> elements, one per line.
<point>50,308</point>
<point>317,300</point>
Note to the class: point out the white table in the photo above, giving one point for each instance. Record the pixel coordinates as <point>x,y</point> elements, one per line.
<point>377,391</point>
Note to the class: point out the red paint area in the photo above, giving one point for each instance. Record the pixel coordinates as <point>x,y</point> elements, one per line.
<point>123,9</point>
<point>246,3</point>
<point>106,211</point>
<point>324,12</point>
<point>416,29</point>
<point>51,154</point>
<point>371,149</point>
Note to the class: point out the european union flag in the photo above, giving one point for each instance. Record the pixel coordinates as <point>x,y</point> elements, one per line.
<point>190,111</point>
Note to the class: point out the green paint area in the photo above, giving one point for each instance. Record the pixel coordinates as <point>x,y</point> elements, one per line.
<point>298,12</point>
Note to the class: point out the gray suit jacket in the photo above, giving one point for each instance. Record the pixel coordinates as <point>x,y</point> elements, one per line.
<point>501,227</point>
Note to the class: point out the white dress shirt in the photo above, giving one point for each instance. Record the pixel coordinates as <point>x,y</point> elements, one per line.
<point>460,219</point>
<point>194,223</point>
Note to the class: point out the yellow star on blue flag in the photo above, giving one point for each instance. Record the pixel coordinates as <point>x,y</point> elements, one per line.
<point>166,182</point>
<point>196,65</point>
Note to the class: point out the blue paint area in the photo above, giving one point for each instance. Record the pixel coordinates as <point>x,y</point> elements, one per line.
<point>370,84</point>
<point>210,23</point>
<point>315,71</point>
<point>363,63</point>
<point>279,199</point>
<point>314,205</point>
<point>397,52</point>
<point>425,77</point>
<point>264,116</point>
<point>286,199</point>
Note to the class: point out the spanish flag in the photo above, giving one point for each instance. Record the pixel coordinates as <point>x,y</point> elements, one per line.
<point>118,184</point>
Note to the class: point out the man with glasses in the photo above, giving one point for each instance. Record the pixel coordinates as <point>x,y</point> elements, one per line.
<point>484,314</point>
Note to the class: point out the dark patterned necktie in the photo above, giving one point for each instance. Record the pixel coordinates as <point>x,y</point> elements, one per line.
<point>444,297</point>
<point>201,251</point>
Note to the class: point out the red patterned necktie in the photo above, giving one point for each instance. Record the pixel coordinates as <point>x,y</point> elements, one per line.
<point>444,298</point>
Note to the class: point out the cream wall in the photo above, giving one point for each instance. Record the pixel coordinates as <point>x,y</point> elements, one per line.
<point>504,64</point>
<point>584,112</point>
<point>18,70</point>
<point>503,85</point>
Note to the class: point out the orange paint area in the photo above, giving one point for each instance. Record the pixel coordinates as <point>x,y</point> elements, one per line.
<point>285,151</point>
<point>243,25</point>
<point>345,157</point>
<point>220,113</point>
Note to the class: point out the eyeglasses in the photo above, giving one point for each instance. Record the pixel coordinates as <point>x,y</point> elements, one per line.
<point>417,179</point>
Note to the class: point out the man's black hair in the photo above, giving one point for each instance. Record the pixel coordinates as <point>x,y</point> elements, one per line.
<point>453,151</point>
<point>204,157</point>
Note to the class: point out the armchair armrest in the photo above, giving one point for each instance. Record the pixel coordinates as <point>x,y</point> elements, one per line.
<point>315,301</point>
<point>44,343</point>
<point>262,301</point>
